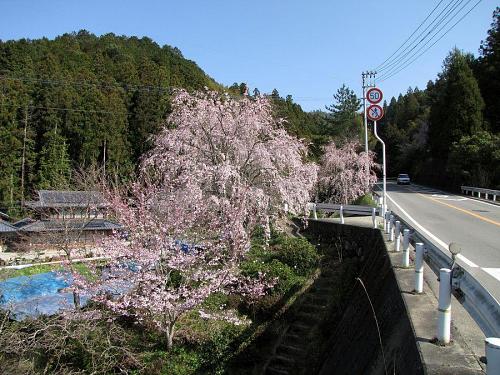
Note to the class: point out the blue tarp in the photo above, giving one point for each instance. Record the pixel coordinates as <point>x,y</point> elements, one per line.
<point>41,294</point>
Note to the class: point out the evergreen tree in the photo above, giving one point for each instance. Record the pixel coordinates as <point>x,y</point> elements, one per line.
<point>457,109</point>
<point>54,170</point>
<point>345,120</point>
<point>488,71</point>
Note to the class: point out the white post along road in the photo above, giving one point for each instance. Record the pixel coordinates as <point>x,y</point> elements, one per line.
<point>446,218</point>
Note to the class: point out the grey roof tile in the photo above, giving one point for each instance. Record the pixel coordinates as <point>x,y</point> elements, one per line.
<point>6,227</point>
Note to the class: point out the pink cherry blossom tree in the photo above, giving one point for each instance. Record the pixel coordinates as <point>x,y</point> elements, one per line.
<point>236,154</point>
<point>219,168</point>
<point>173,255</point>
<point>345,173</point>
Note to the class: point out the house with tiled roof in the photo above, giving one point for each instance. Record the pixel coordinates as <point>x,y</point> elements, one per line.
<point>77,217</point>
<point>68,204</point>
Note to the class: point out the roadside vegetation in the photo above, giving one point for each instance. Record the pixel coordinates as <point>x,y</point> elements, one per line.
<point>109,343</point>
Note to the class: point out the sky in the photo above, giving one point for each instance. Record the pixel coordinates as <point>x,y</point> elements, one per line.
<point>306,49</point>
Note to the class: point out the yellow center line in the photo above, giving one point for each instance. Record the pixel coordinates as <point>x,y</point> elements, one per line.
<point>462,210</point>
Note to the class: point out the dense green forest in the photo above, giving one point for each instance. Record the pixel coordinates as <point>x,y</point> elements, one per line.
<point>449,133</point>
<point>86,101</point>
<point>81,100</point>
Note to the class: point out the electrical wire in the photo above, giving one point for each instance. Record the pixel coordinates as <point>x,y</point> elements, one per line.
<point>389,75</point>
<point>413,33</point>
<point>405,58</point>
<point>437,21</point>
<point>125,86</point>
<point>31,107</point>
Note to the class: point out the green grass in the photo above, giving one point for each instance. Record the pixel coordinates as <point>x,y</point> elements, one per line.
<point>82,268</point>
<point>28,271</point>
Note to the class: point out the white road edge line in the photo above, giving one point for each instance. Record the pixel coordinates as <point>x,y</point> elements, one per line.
<point>441,243</point>
<point>467,261</point>
<point>494,272</point>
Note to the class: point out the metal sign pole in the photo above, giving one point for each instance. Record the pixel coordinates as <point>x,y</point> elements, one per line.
<point>364,111</point>
<point>384,204</point>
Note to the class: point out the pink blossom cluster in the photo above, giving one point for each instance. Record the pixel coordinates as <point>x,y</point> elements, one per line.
<point>345,173</point>
<point>235,154</point>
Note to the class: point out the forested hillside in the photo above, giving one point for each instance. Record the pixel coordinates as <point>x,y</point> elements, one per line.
<point>449,133</point>
<point>82,100</point>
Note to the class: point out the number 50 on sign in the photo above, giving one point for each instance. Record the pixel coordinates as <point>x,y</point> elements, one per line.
<point>374,95</point>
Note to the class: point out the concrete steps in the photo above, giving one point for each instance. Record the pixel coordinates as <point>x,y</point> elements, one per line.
<point>290,353</point>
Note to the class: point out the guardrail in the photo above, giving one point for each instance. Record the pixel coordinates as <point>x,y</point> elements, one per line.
<point>345,209</point>
<point>487,192</point>
<point>481,305</point>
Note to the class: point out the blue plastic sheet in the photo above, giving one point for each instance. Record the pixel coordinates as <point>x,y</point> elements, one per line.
<point>44,293</point>
<point>41,294</point>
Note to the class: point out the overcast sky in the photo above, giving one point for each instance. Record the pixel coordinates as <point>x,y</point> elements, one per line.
<point>304,48</point>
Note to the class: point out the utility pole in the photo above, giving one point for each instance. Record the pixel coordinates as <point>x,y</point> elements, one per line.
<point>23,162</point>
<point>364,76</point>
<point>104,161</point>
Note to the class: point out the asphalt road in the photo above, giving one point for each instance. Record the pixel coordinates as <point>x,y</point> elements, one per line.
<point>445,218</point>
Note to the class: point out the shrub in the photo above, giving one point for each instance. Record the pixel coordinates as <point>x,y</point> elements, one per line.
<point>298,254</point>
<point>365,200</point>
<point>217,350</point>
<point>179,361</point>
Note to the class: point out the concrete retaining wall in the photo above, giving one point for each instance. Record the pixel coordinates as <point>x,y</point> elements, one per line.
<point>354,347</point>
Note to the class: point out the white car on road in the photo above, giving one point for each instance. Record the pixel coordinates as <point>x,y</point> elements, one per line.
<point>403,178</point>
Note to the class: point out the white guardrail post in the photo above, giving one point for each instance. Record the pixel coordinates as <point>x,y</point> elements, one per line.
<point>391,228</point>
<point>315,213</point>
<point>419,267</point>
<point>479,302</point>
<point>444,306</point>
<point>342,214</point>
<point>374,217</point>
<point>492,355</point>
<point>406,245</point>
<point>398,235</point>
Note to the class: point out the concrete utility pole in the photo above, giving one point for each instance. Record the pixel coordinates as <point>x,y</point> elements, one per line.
<point>364,76</point>
<point>23,161</point>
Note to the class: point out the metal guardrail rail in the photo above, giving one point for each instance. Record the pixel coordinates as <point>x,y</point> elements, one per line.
<point>345,209</point>
<point>487,192</point>
<point>480,304</point>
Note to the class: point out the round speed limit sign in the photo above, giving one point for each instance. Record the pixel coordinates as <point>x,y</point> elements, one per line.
<point>374,95</point>
<point>375,112</point>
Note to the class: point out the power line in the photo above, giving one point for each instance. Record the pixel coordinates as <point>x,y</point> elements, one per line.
<point>17,106</point>
<point>124,86</point>
<point>413,33</point>
<point>436,22</point>
<point>394,72</point>
<point>404,58</point>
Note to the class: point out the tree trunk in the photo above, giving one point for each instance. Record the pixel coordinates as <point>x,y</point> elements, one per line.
<point>170,336</point>
<point>76,300</point>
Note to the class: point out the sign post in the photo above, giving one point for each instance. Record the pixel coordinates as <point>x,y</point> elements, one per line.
<point>384,192</point>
